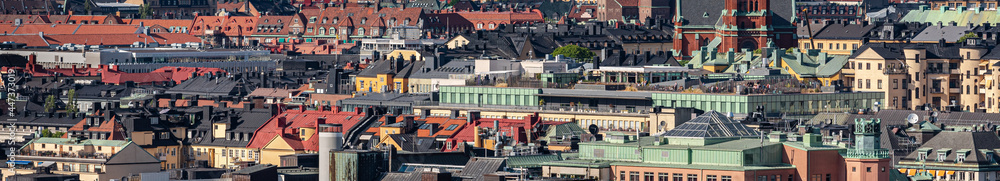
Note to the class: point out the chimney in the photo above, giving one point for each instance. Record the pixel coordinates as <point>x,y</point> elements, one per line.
<point>472,116</point>
<point>424,113</point>
<point>282,124</point>
<point>390,119</point>
<point>454,114</point>
<point>408,122</point>
<point>357,110</point>
<point>336,109</point>
<point>194,101</point>
<point>320,120</point>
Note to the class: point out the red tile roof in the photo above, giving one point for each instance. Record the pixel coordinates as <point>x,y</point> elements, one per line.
<point>162,22</point>
<point>227,25</point>
<point>512,127</point>
<point>295,119</point>
<point>176,74</point>
<point>353,16</point>
<point>108,126</point>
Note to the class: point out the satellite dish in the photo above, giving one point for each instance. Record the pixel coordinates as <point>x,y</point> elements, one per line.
<point>912,118</point>
<point>593,129</point>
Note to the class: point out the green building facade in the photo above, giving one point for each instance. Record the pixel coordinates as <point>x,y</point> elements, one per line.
<point>773,103</point>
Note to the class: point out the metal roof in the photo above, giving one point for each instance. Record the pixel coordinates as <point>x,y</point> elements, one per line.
<point>712,125</point>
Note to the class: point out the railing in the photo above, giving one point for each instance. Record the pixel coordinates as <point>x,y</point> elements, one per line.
<point>894,71</point>
<point>938,71</point>
<point>879,153</point>
<point>62,155</point>
<point>955,90</point>
<point>937,90</point>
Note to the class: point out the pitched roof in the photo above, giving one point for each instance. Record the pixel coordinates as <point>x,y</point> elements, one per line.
<point>205,85</point>
<point>272,92</point>
<point>478,166</point>
<point>951,144</point>
<point>712,124</point>
<point>132,154</point>
<point>295,119</point>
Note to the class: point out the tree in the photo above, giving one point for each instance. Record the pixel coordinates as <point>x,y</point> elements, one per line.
<point>579,53</point>
<point>71,102</point>
<point>49,134</point>
<point>145,12</point>
<point>86,6</point>
<point>452,2</point>
<point>50,103</point>
<point>966,36</point>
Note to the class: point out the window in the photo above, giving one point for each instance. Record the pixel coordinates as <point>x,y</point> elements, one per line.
<point>828,177</point>
<point>941,157</point>
<point>868,169</point>
<point>68,167</point>
<point>678,177</point>
<point>960,158</point>
<point>711,178</point>
<point>879,66</point>
<point>634,176</point>
<point>868,66</point>
<point>648,176</point>
<point>98,169</point>
<point>895,83</point>
<point>452,127</point>
<point>84,168</point>
<point>880,84</point>
<point>664,176</point>
<point>727,178</point>
<point>692,177</point>
<point>622,176</point>
<point>854,169</point>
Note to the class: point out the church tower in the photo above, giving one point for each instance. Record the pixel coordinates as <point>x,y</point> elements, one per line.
<point>867,160</point>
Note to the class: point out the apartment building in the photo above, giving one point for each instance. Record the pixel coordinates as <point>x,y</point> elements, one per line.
<point>917,75</point>
<point>92,159</point>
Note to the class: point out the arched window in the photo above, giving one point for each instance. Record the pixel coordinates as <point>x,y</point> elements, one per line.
<point>324,20</point>
<point>361,31</point>
<point>322,31</point>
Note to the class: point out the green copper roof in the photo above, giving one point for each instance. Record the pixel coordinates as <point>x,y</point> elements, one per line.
<point>961,17</point>
<point>530,161</point>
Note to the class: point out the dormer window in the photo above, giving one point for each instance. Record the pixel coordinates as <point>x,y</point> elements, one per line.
<point>941,157</point>
<point>960,158</point>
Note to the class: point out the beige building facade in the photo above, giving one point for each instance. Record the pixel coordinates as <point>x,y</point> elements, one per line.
<point>920,76</point>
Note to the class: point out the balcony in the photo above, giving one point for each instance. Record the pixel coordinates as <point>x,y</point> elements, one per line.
<point>61,156</point>
<point>938,71</point>
<point>937,90</point>
<point>894,71</point>
<point>955,90</point>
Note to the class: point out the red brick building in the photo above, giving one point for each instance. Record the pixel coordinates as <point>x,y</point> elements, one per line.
<point>733,24</point>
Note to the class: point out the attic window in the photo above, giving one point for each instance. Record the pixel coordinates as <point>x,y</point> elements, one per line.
<point>452,127</point>
<point>705,15</point>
